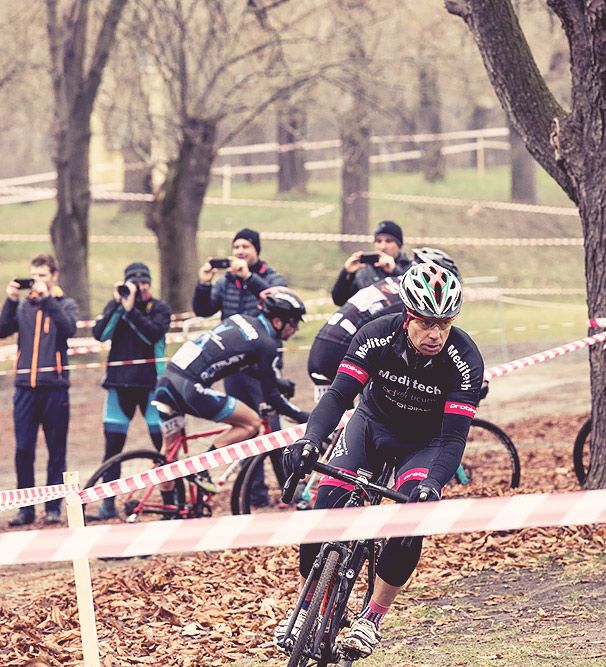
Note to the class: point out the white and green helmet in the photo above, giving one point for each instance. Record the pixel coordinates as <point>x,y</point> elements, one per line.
<point>430,292</point>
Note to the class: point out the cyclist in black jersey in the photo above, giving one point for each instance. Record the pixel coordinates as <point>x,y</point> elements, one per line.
<point>420,381</point>
<point>240,342</point>
<point>380,298</point>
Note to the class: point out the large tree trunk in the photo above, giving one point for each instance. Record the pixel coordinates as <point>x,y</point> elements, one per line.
<point>74,92</point>
<point>292,176</point>
<point>523,171</point>
<point>69,228</point>
<point>433,166</point>
<point>174,215</point>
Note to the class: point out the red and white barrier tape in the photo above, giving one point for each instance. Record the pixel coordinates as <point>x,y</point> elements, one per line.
<point>524,362</point>
<point>278,528</point>
<point>22,497</point>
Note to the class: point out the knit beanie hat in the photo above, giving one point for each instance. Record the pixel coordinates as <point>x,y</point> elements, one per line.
<point>137,272</point>
<point>389,228</point>
<point>251,236</point>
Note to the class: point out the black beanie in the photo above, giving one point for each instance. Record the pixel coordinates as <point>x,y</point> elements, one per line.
<point>137,272</point>
<point>251,236</point>
<point>389,228</point>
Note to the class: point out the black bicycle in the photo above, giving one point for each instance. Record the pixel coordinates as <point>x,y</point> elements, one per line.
<point>581,452</point>
<point>334,574</point>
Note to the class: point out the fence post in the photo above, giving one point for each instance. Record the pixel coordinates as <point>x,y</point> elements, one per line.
<point>226,196</point>
<point>84,590</point>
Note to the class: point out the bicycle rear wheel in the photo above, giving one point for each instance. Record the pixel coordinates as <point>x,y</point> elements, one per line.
<point>490,462</point>
<point>581,451</point>
<point>305,640</point>
<point>141,503</point>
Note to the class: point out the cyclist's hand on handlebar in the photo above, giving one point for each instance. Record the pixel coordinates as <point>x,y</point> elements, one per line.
<point>425,491</point>
<point>300,457</point>
<point>286,387</point>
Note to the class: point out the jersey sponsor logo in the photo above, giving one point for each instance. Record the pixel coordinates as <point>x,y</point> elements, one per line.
<point>371,343</point>
<point>461,365</point>
<point>414,384</point>
<point>247,329</point>
<point>213,369</point>
<point>459,409</point>
<point>354,371</point>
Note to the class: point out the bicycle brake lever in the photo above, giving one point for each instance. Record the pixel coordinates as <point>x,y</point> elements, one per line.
<point>290,486</point>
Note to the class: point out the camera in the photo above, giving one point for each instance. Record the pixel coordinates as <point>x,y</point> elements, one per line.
<point>220,263</point>
<point>25,283</point>
<point>124,292</point>
<point>369,257</point>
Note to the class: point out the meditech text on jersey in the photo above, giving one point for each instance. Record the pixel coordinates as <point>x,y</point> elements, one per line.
<point>405,380</point>
<point>461,365</point>
<point>370,343</point>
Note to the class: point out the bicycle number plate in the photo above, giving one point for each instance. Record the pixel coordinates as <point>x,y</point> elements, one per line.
<point>174,425</point>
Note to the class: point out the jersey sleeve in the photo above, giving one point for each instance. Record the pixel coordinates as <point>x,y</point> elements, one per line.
<point>460,406</point>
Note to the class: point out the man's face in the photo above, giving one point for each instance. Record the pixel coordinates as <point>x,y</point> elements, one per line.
<point>428,337</point>
<point>290,327</point>
<point>44,274</point>
<point>388,245</point>
<point>144,290</point>
<point>243,249</point>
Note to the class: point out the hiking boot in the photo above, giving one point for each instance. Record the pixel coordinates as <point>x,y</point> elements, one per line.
<point>280,631</point>
<point>362,638</point>
<point>22,519</point>
<point>106,511</point>
<point>203,481</point>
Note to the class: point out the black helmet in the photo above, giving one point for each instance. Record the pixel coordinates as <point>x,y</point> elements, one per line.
<point>435,256</point>
<point>281,302</point>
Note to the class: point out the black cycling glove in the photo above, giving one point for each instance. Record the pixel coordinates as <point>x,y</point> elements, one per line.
<point>286,387</point>
<point>295,462</point>
<point>425,491</point>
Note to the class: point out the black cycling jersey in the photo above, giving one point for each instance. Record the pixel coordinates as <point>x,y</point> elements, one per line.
<point>240,342</point>
<point>418,398</point>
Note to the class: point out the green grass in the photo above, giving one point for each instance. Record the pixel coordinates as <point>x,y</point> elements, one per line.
<point>311,267</point>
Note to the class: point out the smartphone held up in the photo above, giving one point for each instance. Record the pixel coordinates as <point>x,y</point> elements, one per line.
<point>220,263</point>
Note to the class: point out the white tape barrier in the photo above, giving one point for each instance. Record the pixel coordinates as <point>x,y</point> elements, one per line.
<point>278,528</point>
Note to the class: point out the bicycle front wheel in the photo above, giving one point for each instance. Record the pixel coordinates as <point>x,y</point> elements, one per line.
<point>303,646</point>
<point>491,463</point>
<point>581,451</point>
<point>265,470</point>
<point>140,503</point>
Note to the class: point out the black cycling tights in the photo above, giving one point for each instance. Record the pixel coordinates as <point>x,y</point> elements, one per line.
<point>396,563</point>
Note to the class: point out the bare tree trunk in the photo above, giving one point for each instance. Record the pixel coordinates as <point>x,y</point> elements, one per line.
<point>292,176</point>
<point>173,217</point>
<point>523,171</point>
<point>137,179</point>
<point>75,91</point>
<point>432,160</point>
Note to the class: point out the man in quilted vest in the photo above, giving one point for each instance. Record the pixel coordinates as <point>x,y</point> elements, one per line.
<point>237,292</point>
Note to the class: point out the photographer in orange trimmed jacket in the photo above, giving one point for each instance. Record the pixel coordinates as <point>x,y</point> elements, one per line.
<point>44,320</point>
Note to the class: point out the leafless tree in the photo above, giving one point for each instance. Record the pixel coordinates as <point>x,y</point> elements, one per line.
<point>569,145</point>
<point>76,70</point>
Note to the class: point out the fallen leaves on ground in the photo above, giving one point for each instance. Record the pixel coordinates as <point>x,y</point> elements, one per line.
<point>220,608</point>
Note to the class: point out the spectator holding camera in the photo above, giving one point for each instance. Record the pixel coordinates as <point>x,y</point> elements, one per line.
<point>361,270</point>
<point>44,320</point>
<point>136,323</point>
<point>237,293</point>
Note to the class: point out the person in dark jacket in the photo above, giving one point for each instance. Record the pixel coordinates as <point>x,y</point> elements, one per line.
<point>355,274</point>
<point>237,293</point>
<point>44,320</point>
<point>136,324</point>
